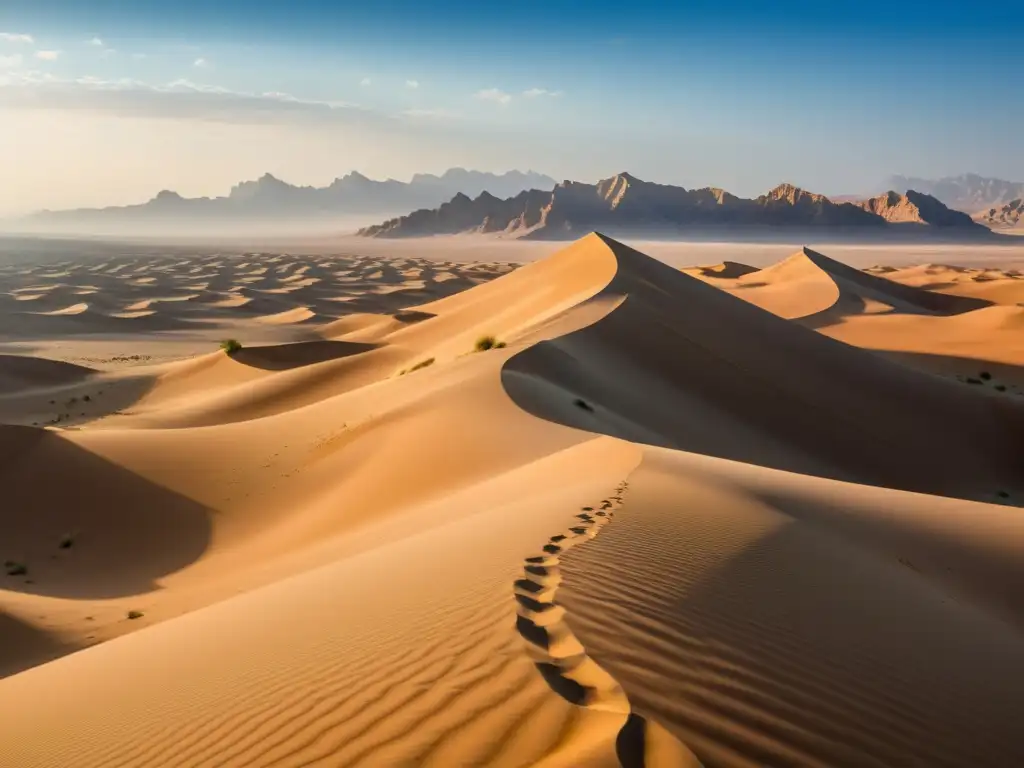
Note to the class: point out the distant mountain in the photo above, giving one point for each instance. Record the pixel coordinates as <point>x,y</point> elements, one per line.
<point>269,199</point>
<point>1009,216</point>
<point>969,192</point>
<point>625,204</point>
<point>915,208</point>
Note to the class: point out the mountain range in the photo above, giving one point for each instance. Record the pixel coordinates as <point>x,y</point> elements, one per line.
<point>268,199</point>
<point>968,192</point>
<point>627,205</point>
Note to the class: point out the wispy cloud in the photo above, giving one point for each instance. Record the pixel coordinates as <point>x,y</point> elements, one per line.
<point>365,82</point>
<point>95,41</point>
<point>12,61</point>
<point>412,84</point>
<point>180,99</point>
<point>201,63</point>
<point>494,94</point>
<point>138,55</point>
<point>13,37</point>
<point>534,93</point>
<point>48,55</point>
<point>435,114</point>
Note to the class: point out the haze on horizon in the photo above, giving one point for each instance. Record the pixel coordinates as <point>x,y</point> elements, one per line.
<point>106,105</point>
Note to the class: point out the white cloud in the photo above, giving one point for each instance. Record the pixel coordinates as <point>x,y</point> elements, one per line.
<point>201,63</point>
<point>48,55</point>
<point>95,41</point>
<point>412,84</point>
<point>495,95</point>
<point>10,62</point>
<point>365,82</point>
<point>533,93</point>
<point>12,37</point>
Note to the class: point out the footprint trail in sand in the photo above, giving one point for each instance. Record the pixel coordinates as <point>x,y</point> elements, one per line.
<point>563,661</point>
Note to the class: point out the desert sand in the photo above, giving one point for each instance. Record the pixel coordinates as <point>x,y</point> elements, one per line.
<point>741,514</point>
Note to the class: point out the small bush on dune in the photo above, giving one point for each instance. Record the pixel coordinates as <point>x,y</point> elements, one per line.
<point>132,615</point>
<point>484,343</point>
<point>422,364</point>
<point>985,375</point>
<point>488,342</point>
<point>15,569</point>
<point>583,404</point>
<point>231,346</point>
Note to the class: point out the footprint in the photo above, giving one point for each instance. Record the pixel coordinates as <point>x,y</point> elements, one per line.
<point>563,662</point>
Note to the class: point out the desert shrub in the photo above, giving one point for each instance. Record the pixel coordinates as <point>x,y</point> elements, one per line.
<point>132,615</point>
<point>13,568</point>
<point>1003,494</point>
<point>1000,387</point>
<point>231,346</point>
<point>985,376</point>
<point>973,381</point>
<point>67,542</point>
<point>583,404</point>
<point>484,343</point>
<point>422,364</point>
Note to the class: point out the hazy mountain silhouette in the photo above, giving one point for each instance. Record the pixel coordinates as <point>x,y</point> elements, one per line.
<point>968,192</point>
<point>626,204</point>
<point>268,199</point>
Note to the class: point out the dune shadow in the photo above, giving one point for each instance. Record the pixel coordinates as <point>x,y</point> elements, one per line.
<point>23,646</point>
<point>990,373</point>
<point>282,357</point>
<point>411,316</point>
<point>84,528</point>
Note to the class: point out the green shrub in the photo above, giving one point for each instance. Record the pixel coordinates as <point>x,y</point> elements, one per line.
<point>583,404</point>
<point>985,375</point>
<point>15,569</point>
<point>132,615</point>
<point>484,343</point>
<point>231,346</point>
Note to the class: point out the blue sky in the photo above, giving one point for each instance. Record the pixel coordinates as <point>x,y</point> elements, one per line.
<point>109,101</point>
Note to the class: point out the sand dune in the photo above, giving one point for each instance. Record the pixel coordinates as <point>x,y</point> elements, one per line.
<point>654,524</point>
<point>819,290</point>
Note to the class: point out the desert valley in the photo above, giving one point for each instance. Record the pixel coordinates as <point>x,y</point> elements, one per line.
<point>455,503</point>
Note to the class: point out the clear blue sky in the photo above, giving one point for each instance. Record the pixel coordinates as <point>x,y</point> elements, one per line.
<point>195,94</point>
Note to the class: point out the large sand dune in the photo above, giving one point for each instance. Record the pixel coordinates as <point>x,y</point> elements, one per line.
<point>654,525</point>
